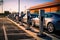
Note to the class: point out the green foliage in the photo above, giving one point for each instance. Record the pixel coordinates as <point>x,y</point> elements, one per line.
<point>6,13</point>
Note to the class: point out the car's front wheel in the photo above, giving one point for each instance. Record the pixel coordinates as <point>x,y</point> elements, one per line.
<point>50,27</point>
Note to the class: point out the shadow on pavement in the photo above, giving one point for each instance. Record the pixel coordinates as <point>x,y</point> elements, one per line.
<point>45,37</point>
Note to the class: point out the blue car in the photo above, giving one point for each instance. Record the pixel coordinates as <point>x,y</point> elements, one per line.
<point>52,21</point>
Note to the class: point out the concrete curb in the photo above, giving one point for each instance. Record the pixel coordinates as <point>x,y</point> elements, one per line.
<point>34,35</point>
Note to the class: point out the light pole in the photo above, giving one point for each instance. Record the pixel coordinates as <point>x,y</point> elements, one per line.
<point>17,17</point>
<point>2,6</point>
<point>19,7</point>
<point>1,3</point>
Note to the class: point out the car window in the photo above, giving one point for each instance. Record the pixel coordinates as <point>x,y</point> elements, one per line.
<point>34,15</point>
<point>48,15</point>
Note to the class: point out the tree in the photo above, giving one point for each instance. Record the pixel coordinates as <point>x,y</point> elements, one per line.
<point>6,13</point>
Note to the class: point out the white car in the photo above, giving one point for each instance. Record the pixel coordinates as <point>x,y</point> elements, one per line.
<point>52,22</point>
<point>31,15</point>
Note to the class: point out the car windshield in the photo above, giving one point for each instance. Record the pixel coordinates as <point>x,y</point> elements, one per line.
<point>48,15</point>
<point>34,15</point>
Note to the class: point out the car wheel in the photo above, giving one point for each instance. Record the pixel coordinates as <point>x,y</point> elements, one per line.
<point>50,27</point>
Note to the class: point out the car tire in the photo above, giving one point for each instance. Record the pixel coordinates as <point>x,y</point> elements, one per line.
<point>50,28</point>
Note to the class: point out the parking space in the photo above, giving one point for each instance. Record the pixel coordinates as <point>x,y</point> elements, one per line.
<point>33,32</point>
<point>38,24</point>
<point>10,31</point>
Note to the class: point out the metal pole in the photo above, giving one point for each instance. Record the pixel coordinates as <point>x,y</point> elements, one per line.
<point>1,3</point>
<point>18,7</point>
<point>21,18</point>
<point>25,8</point>
<point>28,20</point>
<point>2,6</point>
<point>18,11</point>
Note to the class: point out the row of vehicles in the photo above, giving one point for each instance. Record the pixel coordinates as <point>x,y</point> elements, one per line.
<point>32,16</point>
<point>51,22</point>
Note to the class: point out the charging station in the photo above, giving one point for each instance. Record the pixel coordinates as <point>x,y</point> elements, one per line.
<point>21,18</point>
<point>41,22</point>
<point>28,20</point>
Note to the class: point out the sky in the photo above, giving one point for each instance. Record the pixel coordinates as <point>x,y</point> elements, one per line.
<point>12,5</point>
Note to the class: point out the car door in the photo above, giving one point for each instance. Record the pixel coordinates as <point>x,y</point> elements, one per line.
<point>48,18</point>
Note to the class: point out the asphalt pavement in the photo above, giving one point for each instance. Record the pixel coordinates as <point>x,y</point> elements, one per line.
<point>9,31</point>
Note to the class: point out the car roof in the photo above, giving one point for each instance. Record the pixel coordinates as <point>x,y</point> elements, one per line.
<point>55,14</point>
<point>52,13</point>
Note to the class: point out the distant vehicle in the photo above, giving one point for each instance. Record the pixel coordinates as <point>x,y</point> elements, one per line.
<point>52,22</point>
<point>11,16</point>
<point>32,16</point>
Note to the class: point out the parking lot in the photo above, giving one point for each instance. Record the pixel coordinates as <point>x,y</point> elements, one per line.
<point>10,31</point>
<point>35,30</point>
<point>29,19</point>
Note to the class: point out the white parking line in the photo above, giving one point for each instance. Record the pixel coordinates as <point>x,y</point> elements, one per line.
<point>5,34</point>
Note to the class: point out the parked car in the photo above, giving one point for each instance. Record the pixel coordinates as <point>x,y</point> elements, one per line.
<point>52,22</point>
<point>32,16</point>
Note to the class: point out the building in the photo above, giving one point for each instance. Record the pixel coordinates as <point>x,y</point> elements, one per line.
<point>48,7</point>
